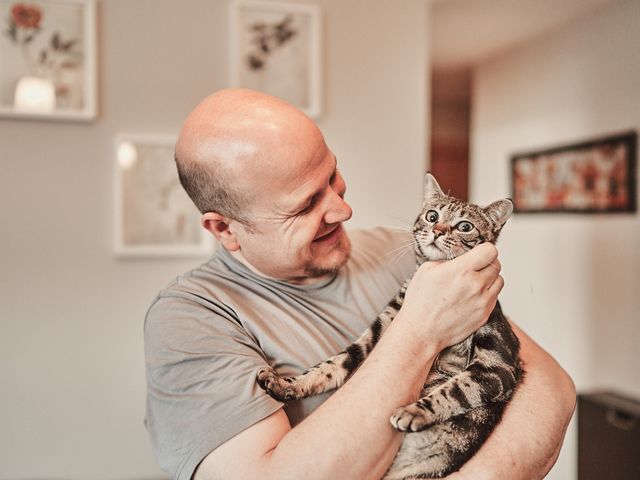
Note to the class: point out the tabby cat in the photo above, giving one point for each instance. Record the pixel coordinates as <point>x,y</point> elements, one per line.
<point>469,384</point>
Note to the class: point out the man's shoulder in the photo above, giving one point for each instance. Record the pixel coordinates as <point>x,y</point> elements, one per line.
<point>379,238</point>
<point>196,288</point>
<point>383,247</point>
<point>193,281</point>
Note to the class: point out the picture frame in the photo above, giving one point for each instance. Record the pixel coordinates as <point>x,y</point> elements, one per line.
<point>276,48</point>
<point>154,217</point>
<point>48,60</point>
<point>594,176</point>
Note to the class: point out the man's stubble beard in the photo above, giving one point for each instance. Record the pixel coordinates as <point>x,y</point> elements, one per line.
<point>344,247</point>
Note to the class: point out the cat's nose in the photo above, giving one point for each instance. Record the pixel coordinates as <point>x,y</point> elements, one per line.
<point>439,229</point>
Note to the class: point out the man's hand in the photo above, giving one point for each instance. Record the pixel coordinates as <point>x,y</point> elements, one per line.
<point>447,301</point>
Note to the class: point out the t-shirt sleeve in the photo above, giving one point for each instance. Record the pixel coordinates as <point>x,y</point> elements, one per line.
<point>201,367</point>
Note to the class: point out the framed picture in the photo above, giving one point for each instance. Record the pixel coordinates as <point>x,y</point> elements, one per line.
<point>48,59</point>
<point>276,49</point>
<point>594,176</point>
<point>154,215</point>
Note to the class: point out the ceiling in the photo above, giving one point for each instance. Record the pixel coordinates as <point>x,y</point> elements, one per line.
<point>466,32</point>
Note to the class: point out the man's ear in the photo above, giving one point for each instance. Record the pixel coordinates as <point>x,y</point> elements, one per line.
<point>218,225</point>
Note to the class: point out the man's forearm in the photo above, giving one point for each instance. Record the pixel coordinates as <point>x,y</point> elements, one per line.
<point>349,436</point>
<point>526,444</point>
<point>357,415</point>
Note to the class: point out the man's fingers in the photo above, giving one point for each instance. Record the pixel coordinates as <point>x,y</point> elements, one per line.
<point>480,256</point>
<point>431,264</point>
<point>495,265</point>
<point>496,286</point>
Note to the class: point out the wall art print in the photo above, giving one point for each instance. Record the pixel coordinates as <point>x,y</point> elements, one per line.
<point>597,175</point>
<point>48,59</point>
<point>276,49</point>
<point>154,216</point>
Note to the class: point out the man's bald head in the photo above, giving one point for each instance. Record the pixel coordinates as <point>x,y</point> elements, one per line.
<point>229,136</point>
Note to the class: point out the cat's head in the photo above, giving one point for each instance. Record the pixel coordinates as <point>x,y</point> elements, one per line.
<point>447,227</point>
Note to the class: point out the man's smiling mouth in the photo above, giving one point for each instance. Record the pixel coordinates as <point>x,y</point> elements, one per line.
<point>329,235</point>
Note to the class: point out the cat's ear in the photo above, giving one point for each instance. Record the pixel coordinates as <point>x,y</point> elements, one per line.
<point>431,187</point>
<point>500,210</point>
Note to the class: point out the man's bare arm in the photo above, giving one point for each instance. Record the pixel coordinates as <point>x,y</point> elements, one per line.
<point>526,444</point>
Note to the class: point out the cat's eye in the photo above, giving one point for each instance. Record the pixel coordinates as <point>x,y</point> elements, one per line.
<point>465,226</point>
<point>431,216</point>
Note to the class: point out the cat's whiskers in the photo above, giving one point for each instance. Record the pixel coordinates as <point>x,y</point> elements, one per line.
<point>398,229</point>
<point>399,252</point>
<point>403,220</point>
<point>396,258</point>
<point>401,247</point>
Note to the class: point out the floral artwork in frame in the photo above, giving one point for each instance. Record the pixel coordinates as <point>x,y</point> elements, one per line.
<point>154,216</point>
<point>595,176</point>
<point>48,59</point>
<point>276,49</point>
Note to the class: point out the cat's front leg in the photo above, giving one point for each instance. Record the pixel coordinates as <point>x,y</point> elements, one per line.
<point>413,418</point>
<point>280,388</point>
<point>332,373</point>
<point>325,376</point>
<point>477,386</point>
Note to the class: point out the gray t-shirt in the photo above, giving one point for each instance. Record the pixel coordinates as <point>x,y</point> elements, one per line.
<point>212,329</point>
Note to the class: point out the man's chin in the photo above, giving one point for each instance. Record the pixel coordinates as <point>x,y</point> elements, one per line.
<point>333,261</point>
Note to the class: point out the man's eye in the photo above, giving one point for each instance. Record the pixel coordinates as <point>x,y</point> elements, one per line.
<point>465,226</point>
<point>305,210</point>
<point>431,216</point>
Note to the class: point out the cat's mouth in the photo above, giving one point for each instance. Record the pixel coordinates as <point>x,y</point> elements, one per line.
<point>432,252</point>
<point>439,249</point>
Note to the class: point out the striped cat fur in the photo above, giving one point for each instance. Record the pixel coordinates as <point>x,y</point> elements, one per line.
<point>469,384</point>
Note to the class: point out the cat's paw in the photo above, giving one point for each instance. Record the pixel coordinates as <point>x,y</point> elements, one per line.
<point>412,418</point>
<point>280,388</point>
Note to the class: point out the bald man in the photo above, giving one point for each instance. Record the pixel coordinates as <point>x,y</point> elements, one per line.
<point>289,288</point>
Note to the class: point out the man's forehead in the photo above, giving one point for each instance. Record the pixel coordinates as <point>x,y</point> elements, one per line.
<point>316,173</point>
<point>323,164</point>
<point>300,188</point>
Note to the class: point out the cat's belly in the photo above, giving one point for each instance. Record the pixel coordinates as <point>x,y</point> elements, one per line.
<point>420,452</point>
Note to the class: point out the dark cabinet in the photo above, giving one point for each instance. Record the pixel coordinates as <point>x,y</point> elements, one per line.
<point>608,437</point>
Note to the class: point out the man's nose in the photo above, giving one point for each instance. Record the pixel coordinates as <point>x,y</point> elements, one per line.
<point>338,210</point>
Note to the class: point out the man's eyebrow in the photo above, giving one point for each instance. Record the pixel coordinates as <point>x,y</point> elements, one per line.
<point>309,199</point>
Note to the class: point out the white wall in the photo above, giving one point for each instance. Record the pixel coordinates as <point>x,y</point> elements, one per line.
<point>571,280</point>
<point>71,359</point>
